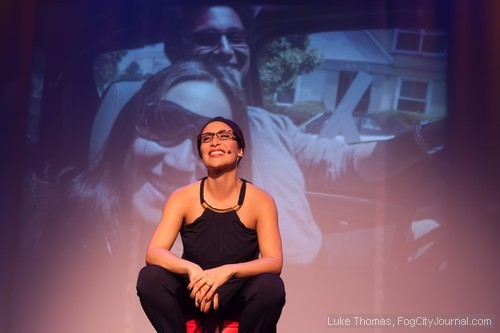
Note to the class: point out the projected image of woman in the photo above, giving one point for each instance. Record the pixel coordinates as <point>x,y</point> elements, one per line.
<point>151,144</point>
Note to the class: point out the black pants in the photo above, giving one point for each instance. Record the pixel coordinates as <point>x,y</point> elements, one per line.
<point>256,304</point>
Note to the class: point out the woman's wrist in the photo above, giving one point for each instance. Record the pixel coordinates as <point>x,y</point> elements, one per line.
<point>192,269</point>
<point>232,269</point>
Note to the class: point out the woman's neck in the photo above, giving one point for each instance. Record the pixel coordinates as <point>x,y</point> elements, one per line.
<point>222,186</point>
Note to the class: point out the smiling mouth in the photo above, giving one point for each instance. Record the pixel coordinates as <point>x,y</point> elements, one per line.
<point>216,153</point>
<point>228,64</point>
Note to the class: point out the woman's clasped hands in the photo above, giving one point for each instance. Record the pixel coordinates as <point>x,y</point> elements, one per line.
<point>203,286</point>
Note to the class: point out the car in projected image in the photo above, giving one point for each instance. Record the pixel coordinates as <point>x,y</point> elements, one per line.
<point>343,208</point>
<point>370,126</point>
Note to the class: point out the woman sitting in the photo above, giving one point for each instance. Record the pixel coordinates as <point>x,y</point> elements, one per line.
<point>232,247</point>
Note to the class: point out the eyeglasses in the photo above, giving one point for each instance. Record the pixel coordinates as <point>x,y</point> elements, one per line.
<point>210,38</point>
<point>169,123</point>
<point>221,135</point>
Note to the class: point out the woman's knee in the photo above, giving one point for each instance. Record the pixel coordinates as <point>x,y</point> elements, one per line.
<point>269,288</point>
<point>151,278</point>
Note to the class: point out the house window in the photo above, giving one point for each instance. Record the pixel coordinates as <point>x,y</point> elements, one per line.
<point>285,96</point>
<point>412,95</point>
<point>419,42</point>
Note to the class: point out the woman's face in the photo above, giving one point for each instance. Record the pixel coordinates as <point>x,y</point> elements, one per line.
<point>219,148</point>
<point>159,168</point>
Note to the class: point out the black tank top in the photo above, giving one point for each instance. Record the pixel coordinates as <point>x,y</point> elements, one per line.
<point>218,238</point>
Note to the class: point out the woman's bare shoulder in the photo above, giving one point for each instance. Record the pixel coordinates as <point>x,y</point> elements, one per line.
<point>186,193</point>
<point>257,194</point>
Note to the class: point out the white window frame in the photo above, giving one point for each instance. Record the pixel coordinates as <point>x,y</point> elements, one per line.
<point>398,97</point>
<point>421,34</point>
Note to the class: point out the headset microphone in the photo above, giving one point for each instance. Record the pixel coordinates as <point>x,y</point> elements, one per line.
<point>229,152</point>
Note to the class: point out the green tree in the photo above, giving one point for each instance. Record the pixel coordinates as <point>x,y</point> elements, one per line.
<point>282,61</point>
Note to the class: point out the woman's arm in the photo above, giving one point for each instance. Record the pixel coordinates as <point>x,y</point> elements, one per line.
<point>158,251</point>
<point>271,256</point>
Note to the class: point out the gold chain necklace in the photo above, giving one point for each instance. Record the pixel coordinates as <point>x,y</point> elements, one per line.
<point>206,204</point>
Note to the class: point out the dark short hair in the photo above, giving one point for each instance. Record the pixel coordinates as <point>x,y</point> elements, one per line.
<point>238,133</point>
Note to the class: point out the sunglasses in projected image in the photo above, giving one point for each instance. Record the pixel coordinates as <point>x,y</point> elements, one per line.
<point>211,38</point>
<point>169,124</point>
